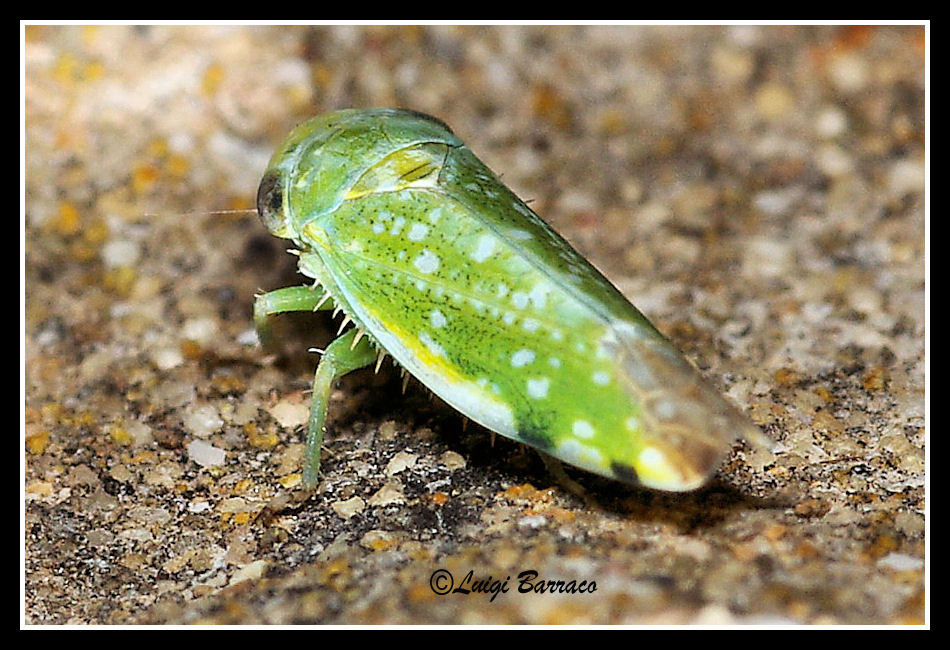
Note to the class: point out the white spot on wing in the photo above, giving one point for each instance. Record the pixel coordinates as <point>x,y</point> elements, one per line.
<point>437,318</point>
<point>417,232</point>
<point>665,409</point>
<point>539,294</point>
<point>538,388</point>
<point>520,299</point>
<point>577,453</point>
<point>522,358</point>
<point>582,429</point>
<point>484,248</point>
<point>427,261</point>
<point>397,226</point>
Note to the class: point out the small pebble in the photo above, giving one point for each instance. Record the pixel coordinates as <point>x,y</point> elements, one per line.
<point>205,454</point>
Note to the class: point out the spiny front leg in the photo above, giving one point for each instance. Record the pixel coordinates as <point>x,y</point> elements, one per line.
<point>299,298</point>
<point>345,354</point>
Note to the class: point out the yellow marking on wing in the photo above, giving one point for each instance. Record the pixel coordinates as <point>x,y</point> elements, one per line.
<point>410,167</point>
<point>656,470</point>
<point>421,351</point>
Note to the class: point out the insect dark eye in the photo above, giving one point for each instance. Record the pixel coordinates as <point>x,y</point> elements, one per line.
<point>270,201</point>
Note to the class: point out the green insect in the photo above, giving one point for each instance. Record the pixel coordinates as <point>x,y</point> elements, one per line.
<point>441,266</point>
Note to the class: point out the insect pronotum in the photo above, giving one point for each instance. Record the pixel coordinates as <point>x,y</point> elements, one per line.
<point>438,264</point>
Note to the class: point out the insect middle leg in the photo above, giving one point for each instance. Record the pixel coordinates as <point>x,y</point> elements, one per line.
<point>343,355</point>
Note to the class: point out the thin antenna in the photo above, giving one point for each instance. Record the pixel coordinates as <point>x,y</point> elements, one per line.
<point>200,213</point>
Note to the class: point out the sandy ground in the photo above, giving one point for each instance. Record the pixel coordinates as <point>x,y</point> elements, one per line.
<point>758,192</point>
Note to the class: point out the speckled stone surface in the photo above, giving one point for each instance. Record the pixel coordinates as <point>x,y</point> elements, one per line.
<point>756,191</point>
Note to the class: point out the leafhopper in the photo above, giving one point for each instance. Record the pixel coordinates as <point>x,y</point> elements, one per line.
<point>438,264</point>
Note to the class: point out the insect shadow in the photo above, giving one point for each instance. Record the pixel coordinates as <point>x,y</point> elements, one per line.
<point>500,460</point>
